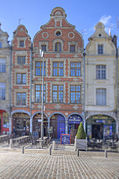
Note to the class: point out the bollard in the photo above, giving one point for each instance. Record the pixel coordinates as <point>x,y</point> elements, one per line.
<point>11,143</point>
<point>50,150</point>
<point>53,146</point>
<point>23,150</point>
<point>78,152</point>
<point>105,153</point>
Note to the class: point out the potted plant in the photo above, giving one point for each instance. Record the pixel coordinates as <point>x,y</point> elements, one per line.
<point>80,138</point>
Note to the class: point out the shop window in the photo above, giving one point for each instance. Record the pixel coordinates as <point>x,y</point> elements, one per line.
<point>57,47</point>
<point>0,44</point>
<point>38,93</point>
<point>58,69</point>
<point>39,68</point>
<point>101,72</point>
<point>75,68</point>
<point>101,96</point>
<point>21,78</point>
<point>21,60</point>
<point>100,49</point>
<point>2,91</point>
<point>43,48</point>
<point>75,94</point>
<point>72,48</point>
<point>2,66</point>
<point>58,93</point>
<point>21,98</point>
<point>21,43</point>
<point>5,120</point>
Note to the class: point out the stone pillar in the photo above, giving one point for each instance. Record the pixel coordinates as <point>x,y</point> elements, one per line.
<point>10,125</point>
<point>66,125</point>
<point>31,125</point>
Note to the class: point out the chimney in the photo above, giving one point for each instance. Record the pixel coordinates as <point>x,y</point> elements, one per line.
<point>114,40</point>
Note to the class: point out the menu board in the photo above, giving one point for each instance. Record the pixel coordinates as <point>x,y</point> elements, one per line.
<point>65,139</point>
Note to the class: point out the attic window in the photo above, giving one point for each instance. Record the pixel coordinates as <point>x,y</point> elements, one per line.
<point>58,33</point>
<point>100,35</point>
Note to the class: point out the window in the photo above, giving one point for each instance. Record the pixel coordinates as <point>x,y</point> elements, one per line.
<point>100,49</point>
<point>75,92</point>
<point>75,68</point>
<point>0,44</point>
<point>2,91</point>
<point>39,68</point>
<point>72,48</point>
<point>101,96</point>
<point>58,69</point>
<point>58,33</point>
<point>58,93</point>
<point>38,93</point>
<point>2,65</point>
<point>100,71</point>
<point>21,98</point>
<point>21,60</point>
<point>58,47</point>
<point>21,43</point>
<point>21,78</point>
<point>5,120</point>
<point>43,48</point>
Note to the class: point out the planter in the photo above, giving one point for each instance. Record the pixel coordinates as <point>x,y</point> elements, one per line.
<point>80,144</point>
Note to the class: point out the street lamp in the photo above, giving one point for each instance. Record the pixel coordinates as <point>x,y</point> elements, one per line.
<point>84,83</point>
<point>42,104</point>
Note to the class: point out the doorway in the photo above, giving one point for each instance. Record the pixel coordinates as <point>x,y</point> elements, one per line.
<point>97,131</point>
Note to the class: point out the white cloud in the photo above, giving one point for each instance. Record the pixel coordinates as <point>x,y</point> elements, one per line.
<point>105,19</point>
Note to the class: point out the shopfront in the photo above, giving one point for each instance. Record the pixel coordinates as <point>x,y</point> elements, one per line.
<point>73,123</point>
<point>57,122</point>
<point>4,122</point>
<point>100,127</point>
<point>37,125</point>
<point>21,124</point>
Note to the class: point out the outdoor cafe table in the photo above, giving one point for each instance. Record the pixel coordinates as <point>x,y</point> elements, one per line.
<point>21,139</point>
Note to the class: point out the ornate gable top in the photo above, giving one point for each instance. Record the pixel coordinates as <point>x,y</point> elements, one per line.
<point>58,12</point>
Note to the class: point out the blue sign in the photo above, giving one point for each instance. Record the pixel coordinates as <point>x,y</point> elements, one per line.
<point>65,139</point>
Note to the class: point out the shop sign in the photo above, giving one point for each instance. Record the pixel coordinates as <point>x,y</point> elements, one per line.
<point>50,130</point>
<point>100,117</point>
<point>100,121</point>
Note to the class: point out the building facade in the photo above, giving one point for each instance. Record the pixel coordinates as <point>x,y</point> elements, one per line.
<point>101,117</point>
<point>5,67</point>
<point>63,84</point>
<point>21,81</point>
<point>63,76</point>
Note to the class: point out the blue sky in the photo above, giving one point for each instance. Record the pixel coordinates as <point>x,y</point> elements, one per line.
<point>84,14</point>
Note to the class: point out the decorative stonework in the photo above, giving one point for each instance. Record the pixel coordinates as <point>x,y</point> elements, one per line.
<point>71,35</point>
<point>45,35</point>
<point>75,107</point>
<point>111,114</point>
<point>57,106</point>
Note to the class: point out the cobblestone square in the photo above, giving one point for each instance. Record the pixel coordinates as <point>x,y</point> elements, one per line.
<point>38,164</point>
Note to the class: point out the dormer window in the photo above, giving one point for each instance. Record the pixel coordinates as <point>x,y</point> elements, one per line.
<point>0,44</point>
<point>21,43</point>
<point>100,49</point>
<point>57,47</point>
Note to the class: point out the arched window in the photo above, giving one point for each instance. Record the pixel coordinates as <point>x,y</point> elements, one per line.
<point>58,47</point>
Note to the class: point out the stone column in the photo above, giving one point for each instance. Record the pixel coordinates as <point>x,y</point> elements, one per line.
<point>66,125</point>
<point>31,125</point>
<point>10,125</point>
